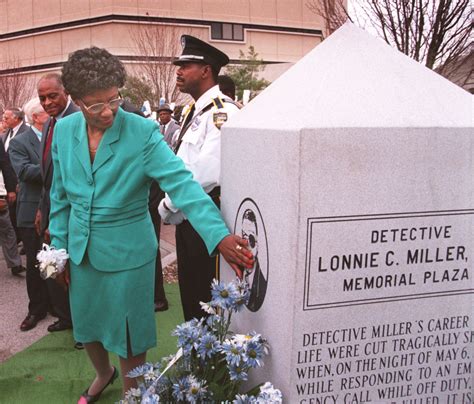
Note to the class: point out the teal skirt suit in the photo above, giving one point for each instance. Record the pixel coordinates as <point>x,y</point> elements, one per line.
<point>99,214</point>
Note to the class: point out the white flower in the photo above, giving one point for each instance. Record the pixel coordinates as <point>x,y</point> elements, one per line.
<point>241,339</point>
<point>150,375</point>
<point>268,394</point>
<point>135,392</point>
<point>207,308</point>
<point>51,261</point>
<point>132,396</point>
<point>50,271</point>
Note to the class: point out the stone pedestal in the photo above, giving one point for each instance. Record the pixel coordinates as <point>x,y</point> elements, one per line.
<point>354,174</point>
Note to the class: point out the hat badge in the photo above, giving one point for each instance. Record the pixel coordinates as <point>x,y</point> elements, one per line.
<point>183,41</point>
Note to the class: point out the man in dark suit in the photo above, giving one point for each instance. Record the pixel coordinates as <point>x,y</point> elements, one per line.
<point>8,175</point>
<point>168,126</point>
<point>57,105</point>
<point>13,120</point>
<point>24,151</point>
<point>8,183</point>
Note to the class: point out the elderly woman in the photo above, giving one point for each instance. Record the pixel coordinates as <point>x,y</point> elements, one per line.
<point>104,161</point>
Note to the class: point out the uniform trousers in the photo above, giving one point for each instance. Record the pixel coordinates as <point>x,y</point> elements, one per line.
<point>196,269</point>
<point>35,285</point>
<point>8,240</point>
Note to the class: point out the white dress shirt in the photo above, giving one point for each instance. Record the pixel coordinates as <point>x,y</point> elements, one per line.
<point>12,135</point>
<point>3,190</point>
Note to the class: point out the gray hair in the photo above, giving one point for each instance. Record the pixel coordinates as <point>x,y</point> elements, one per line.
<point>33,106</point>
<point>16,112</point>
<point>52,76</point>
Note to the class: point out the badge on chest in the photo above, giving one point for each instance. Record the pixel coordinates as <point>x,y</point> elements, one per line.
<point>195,124</point>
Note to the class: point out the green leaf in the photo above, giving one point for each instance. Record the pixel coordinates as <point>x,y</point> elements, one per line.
<point>218,392</point>
<point>221,372</point>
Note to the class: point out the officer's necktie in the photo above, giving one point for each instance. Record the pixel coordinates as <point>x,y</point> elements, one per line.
<point>184,127</point>
<point>189,116</point>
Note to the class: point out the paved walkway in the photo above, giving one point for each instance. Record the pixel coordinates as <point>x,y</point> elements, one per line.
<point>14,302</point>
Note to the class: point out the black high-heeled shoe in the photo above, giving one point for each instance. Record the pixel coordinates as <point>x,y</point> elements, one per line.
<point>89,398</point>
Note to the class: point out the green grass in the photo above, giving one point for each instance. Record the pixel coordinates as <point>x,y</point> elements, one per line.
<point>51,371</point>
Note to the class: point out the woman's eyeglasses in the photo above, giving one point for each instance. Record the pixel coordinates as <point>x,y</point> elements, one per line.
<point>98,108</point>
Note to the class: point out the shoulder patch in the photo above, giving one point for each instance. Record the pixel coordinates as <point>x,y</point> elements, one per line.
<point>219,118</point>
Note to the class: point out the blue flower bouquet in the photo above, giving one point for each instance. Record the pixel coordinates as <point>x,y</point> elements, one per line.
<point>211,363</point>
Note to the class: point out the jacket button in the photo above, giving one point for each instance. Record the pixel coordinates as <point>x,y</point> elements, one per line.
<point>85,232</point>
<point>85,205</point>
<point>89,181</point>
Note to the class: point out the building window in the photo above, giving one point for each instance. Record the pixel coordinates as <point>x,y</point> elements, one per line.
<point>238,32</point>
<point>227,31</point>
<point>216,30</point>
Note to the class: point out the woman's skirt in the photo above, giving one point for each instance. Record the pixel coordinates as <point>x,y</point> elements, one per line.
<point>108,306</point>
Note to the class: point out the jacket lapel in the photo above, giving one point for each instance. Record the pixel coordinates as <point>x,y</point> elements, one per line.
<point>81,149</point>
<point>47,167</point>
<point>111,135</point>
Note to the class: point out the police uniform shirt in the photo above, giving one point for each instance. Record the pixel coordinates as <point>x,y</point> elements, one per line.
<point>200,149</point>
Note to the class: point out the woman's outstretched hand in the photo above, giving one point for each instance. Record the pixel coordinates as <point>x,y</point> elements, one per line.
<point>234,250</point>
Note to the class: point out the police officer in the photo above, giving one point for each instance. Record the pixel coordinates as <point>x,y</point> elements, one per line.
<point>198,144</point>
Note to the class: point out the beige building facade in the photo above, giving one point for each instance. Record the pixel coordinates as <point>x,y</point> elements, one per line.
<point>36,36</point>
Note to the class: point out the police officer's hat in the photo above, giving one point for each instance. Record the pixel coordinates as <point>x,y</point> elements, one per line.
<point>197,51</point>
<point>164,107</point>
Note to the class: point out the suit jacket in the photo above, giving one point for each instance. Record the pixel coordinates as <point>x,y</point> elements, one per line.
<point>47,171</point>
<point>156,194</point>
<point>9,176</point>
<point>170,131</point>
<point>102,207</point>
<point>24,151</point>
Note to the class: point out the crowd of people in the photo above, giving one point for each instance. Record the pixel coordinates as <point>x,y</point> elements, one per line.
<point>90,175</point>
